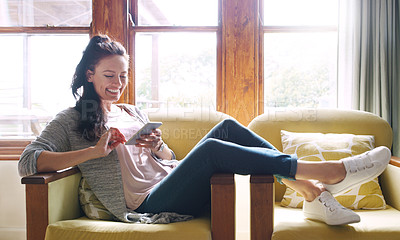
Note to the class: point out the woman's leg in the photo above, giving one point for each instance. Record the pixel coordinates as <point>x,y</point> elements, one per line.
<point>231,130</point>
<point>187,189</point>
<point>329,172</point>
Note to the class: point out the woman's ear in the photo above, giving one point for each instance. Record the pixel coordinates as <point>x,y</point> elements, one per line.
<point>89,75</point>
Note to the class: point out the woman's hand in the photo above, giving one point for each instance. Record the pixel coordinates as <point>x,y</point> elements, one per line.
<point>152,140</point>
<point>108,141</point>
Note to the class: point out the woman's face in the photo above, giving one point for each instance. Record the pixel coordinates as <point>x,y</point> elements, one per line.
<point>109,78</point>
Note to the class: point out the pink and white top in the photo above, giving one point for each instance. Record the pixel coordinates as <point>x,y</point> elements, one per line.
<point>140,170</point>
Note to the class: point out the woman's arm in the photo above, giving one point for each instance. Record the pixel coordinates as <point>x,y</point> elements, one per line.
<point>53,161</point>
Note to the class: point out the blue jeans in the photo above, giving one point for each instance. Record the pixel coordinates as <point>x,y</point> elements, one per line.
<point>229,147</point>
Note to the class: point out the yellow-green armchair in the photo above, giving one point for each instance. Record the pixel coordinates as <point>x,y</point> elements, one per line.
<point>53,209</point>
<point>288,223</point>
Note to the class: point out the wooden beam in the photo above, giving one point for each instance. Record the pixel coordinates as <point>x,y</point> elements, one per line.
<point>240,59</point>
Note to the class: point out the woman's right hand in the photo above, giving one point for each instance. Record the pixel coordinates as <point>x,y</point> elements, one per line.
<point>109,141</point>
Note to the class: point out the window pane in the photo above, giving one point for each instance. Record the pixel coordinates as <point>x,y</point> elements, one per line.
<point>178,12</point>
<point>37,73</point>
<point>38,13</point>
<point>53,59</point>
<point>11,82</point>
<point>176,70</point>
<point>300,69</point>
<point>300,13</point>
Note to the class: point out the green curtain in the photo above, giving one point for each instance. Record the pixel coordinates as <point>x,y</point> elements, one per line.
<point>376,59</point>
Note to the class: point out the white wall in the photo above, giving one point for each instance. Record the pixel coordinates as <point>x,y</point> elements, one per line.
<point>12,203</point>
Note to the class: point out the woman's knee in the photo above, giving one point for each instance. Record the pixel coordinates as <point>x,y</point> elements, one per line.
<point>230,122</point>
<point>228,125</point>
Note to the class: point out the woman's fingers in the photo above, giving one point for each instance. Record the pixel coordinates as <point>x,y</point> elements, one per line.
<point>149,140</point>
<point>110,140</point>
<point>116,136</point>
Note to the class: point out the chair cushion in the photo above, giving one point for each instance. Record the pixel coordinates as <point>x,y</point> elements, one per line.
<point>329,147</point>
<point>90,229</point>
<point>289,224</point>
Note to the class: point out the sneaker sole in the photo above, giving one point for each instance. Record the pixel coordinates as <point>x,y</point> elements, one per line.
<point>333,223</point>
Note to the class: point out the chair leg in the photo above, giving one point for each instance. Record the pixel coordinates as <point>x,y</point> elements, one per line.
<point>36,211</point>
<point>223,207</point>
<point>261,207</point>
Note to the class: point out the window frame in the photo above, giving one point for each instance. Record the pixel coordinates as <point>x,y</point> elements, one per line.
<point>135,28</point>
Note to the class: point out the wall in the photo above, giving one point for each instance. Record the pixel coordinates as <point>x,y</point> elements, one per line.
<point>12,203</point>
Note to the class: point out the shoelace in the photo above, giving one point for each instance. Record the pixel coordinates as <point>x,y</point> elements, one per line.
<point>356,165</point>
<point>330,203</point>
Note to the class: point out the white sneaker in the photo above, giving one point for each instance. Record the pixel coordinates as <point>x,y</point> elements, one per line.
<point>361,169</point>
<point>325,208</point>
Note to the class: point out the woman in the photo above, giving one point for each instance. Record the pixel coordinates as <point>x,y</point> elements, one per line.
<point>145,178</point>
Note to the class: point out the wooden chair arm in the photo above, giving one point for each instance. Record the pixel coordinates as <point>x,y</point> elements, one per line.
<point>261,206</point>
<point>395,161</point>
<point>45,178</point>
<point>223,206</point>
<point>37,201</point>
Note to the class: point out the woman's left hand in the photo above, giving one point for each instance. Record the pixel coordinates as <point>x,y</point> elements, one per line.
<point>152,140</point>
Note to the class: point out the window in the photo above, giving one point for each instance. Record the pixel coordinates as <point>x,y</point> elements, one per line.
<point>300,53</point>
<point>37,13</point>
<point>41,43</point>
<point>175,53</point>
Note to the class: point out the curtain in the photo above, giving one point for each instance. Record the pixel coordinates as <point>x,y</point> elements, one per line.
<point>369,59</point>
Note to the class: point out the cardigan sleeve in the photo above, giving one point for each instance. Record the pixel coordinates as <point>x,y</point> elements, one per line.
<point>54,138</point>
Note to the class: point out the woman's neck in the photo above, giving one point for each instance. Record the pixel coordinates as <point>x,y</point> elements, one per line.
<point>106,107</point>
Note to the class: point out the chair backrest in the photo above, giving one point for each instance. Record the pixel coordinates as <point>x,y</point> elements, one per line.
<point>183,129</point>
<point>269,125</point>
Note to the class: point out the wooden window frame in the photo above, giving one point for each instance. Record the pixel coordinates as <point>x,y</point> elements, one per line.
<point>135,28</point>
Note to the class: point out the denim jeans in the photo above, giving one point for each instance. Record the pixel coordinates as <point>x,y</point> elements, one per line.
<point>229,147</point>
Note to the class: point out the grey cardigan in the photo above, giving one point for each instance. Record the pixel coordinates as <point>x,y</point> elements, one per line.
<point>102,174</point>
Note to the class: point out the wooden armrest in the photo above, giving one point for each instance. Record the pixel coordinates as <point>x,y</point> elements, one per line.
<point>261,206</point>
<point>223,206</point>
<point>395,161</point>
<point>45,178</point>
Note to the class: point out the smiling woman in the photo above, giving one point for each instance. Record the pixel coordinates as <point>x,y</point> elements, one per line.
<point>109,78</point>
<point>101,75</point>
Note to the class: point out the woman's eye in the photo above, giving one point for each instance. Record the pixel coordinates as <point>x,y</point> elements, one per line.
<point>108,76</point>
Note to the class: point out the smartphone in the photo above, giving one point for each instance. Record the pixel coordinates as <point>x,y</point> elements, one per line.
<point>146,129</point>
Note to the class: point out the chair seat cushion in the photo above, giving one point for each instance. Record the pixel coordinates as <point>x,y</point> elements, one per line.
<point>89,229</point>
<point>289,223</point>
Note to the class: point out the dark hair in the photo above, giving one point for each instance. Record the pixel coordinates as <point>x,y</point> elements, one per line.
<point>92,120</point>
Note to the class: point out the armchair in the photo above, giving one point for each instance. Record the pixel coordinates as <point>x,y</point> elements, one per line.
<point>288,223</point>
<point>53,210</point>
